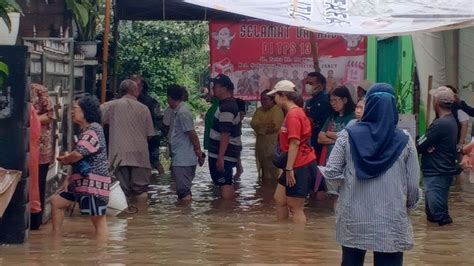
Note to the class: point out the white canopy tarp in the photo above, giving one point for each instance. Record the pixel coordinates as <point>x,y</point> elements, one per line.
<point>363,17</point>
<point>466,64</point>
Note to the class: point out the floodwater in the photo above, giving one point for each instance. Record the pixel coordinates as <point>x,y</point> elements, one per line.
<point>210,231</point>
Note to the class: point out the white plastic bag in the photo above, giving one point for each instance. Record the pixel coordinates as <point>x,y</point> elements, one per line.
<point>117,200</point>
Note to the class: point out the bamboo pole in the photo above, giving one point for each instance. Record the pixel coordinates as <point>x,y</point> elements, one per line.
<point>115,34</point>
<point>70,98</point>
<point>428,102</point>
<point>105,58</point>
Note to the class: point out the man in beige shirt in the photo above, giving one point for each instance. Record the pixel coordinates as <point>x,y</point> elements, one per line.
<point>130,126</point>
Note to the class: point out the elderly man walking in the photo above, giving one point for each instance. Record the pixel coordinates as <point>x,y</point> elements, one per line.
<point>130,126</point>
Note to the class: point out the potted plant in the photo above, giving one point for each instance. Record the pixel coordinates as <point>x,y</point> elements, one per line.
<point>10,13</point>
<point>86,14</point>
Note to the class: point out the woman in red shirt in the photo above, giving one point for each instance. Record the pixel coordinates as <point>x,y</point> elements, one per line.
<point>300,172</point>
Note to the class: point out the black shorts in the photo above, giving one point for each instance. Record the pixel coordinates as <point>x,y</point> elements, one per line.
<point>222,178</point>
<point>305,180</point>
<point>88,204</point>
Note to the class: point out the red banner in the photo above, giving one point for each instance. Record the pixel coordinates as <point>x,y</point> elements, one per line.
<point>256,55</point>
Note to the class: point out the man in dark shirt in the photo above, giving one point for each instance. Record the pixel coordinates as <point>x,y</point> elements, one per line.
<point>225,142</point>
<point>438,161</point>
<point>317,108</point>
<point>154,107</point>
<point>462,105</point>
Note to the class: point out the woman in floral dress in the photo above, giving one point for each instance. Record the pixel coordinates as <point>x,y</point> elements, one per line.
<point>90,182</point>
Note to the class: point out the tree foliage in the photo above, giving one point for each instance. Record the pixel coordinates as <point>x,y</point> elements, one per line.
<point>165,53</point>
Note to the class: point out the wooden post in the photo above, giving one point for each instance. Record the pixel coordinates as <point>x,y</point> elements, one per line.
<point>105,58</point>
<point>70,98</point>
<point>456,60</point>
<point>428,102</point>
<point>115,33</point>
<point>314,51</point>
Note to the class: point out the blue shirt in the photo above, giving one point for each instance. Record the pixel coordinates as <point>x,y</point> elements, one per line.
<point>182,150</point>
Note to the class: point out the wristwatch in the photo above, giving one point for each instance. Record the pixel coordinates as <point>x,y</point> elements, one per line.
<point>288,170</point>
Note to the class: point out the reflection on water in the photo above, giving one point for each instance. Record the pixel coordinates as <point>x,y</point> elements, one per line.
<point>246,231</point>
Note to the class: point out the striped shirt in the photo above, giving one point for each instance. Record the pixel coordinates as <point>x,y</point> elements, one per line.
<point>372,214</point>
<point>226,120</point>
<point>130,125</point>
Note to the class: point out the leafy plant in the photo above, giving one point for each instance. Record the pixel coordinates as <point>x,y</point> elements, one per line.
<point>468,85</point>
<point>404,90</point>
<point>166,53</point>
<point>86,14</point>
<point>7,6</point>
<point>4,72</point>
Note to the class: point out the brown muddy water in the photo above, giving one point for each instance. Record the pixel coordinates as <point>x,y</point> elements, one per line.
<point>210,231</point>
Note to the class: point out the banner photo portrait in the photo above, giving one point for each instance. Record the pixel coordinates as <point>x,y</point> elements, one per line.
<point>257,54</point>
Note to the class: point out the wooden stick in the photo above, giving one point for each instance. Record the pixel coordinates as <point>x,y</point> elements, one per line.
<point>428,103</point>
<point>314,51</point>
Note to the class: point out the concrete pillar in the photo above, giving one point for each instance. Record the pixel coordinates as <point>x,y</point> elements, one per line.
<point>14,142</point>
<point>430,55</point>
<point>466,64</point>
<point>451,43</point>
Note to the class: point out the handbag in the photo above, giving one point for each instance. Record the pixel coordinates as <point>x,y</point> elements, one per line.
<point>8,182</point>
<point>280,158</point>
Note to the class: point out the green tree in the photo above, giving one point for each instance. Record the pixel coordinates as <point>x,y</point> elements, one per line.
<point>166,53</point>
